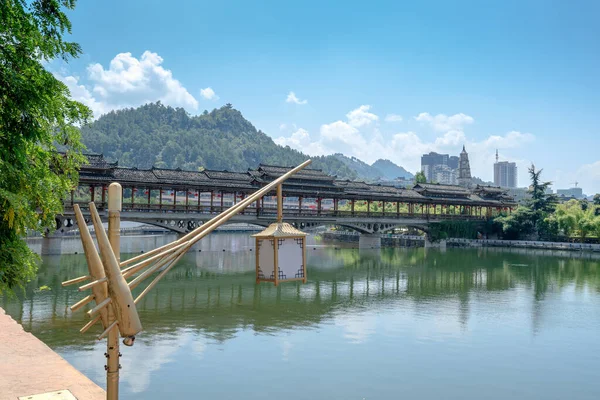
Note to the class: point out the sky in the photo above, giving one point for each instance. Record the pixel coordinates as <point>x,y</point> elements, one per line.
<point>372,80</point>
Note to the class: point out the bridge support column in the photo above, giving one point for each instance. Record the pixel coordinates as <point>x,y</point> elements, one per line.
<point>441,244</point>
<point>51,245</point>
<point>369,241</point>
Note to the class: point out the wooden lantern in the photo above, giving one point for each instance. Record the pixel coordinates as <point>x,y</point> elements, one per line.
<point>280,254</point>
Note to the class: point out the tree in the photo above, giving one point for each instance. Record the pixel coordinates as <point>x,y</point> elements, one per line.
<point>532,218</point>
<point>420,177</point>
<point>36,116</point>
<point>597,199</point>
<point>573,218</point>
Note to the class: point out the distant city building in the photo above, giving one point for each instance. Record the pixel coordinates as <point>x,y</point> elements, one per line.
<point>575,192</point>
<point>453,162</point>
<point>464,169</point>
<point>505,173</point>
<point>440,168</point>
<point>430,161</point>
<point>519,194</point>
<point>444,174</point>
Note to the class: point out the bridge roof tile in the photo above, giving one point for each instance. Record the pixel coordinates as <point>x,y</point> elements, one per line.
<point>271,171</point>
<point>230,176</point>
<point>177,175</point>
<point>97,161</point>
<point>134,175</point>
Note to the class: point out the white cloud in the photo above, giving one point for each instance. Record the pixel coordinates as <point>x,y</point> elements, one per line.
<point>393,118</point>
<point>129,82</point>
<point>291,98</point>
<point>81,94</point>
<point>209,94</point>
<point>358,137</point>
<point>589,177</point>
<point>361,116</point>
<point>342,132</point>
<point>442,122</point>
<point>301,140</point>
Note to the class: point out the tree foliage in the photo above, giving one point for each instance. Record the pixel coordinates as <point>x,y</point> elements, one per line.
<point>36,115</point>
<point>575,219</point>
<point>531,220</point>
<point>159,135</point>
<point>420,177</point>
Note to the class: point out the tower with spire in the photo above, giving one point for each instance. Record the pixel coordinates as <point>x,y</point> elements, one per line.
<point>464,169</point>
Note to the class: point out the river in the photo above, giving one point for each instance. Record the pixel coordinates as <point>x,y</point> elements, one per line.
<point>389,324</point>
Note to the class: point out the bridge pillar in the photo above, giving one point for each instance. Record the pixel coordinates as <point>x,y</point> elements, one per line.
<point>441,244</point>
<point>369,241</point>
<point>51,245</point>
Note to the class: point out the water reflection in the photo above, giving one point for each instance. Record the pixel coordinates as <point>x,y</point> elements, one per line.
<point>210,302</point>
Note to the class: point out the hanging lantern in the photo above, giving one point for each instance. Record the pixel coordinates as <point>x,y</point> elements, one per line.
<point>280,254</point>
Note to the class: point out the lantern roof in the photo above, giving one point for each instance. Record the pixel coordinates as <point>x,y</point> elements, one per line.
<point>279,229</point>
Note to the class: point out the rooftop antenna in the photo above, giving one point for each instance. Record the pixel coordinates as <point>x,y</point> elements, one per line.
<point>496,155</point>
<point>575,183</point>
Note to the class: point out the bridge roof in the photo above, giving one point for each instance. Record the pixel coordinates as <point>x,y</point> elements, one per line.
<point>441,190</point>
<point>229,176</point>
<point>273,171</point>
<point>97,161</point>
<point>308,183</point>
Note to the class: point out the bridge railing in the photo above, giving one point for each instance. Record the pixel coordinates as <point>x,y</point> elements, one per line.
<point>272,212</point>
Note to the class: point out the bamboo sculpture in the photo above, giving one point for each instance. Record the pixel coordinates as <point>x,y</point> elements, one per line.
<point>115,306</point>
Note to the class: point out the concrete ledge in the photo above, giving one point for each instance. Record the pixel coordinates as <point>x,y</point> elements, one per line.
<point>29,367</point>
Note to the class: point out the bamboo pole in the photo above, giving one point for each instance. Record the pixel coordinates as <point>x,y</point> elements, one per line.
<point>209,227</point>
<point>115,203</point>
<point>82,302</point>
<point>89,324</point>
<point>100,306</point>
<point>92,284</point>
<point>107,330</point>
<point>279,203</point>
<point>122,300</point>
<point>76,280</point>
<point>239,206</point>
<point>95,267</point>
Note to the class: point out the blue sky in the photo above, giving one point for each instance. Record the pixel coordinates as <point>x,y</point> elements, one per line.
<point>370,79</point>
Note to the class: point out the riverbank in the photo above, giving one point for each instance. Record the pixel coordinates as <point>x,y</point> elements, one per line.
<point>388,240</point>
<point>523,244</point>
<point>29,367</point>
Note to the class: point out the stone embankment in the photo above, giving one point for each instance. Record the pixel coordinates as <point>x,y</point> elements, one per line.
<point>386,240</point>
<point>419,241</point>
<point>523,244</point>
<point>28,367</point>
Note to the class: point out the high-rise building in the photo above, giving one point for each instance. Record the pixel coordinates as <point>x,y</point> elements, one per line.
<point>464,169</point>
<point>575,192</point>
<point>505,173</point>
<point>453,162</point>
<point>429,161</point>
<point>444,174</point>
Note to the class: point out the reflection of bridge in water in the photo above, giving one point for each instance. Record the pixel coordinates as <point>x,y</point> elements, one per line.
<point>182,200</point>
<point>210,294</point>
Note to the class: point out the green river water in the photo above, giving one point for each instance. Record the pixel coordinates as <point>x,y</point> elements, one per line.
<point>389,324</point>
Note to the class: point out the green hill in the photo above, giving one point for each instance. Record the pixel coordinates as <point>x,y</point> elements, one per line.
<point>155,134</point>
<point>391,171</point>
<point>362,169</point>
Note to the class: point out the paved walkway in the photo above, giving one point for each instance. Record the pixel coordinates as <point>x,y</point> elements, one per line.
<point>28,366</point>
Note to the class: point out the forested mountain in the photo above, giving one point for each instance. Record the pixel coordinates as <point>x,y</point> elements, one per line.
<point>166,137</point>
<point>390,170</point>
<point>379,170</point>
<point>159,135</point>
<point>361,168</point>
